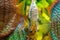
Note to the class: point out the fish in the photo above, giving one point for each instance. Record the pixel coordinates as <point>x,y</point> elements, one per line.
<point>9,17</point>
<point>55,22</point>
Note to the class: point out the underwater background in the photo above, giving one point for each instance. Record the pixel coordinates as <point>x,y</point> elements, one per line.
<point>35,20</point>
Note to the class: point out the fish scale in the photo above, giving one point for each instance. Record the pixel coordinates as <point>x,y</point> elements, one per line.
<point>55,22</point>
